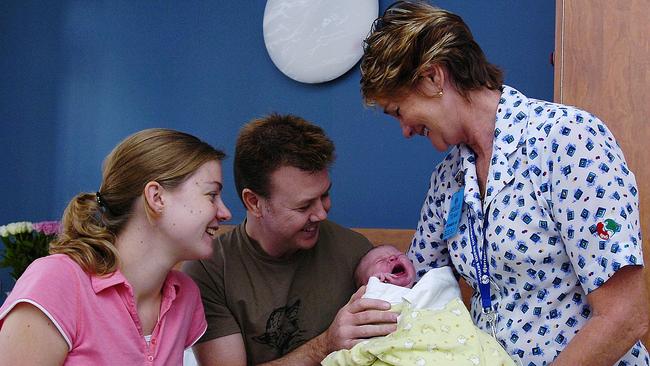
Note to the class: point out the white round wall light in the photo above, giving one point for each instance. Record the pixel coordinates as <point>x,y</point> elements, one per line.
<point>313,41</point>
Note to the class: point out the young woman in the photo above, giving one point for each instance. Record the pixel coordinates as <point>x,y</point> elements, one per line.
<point>107,294</point>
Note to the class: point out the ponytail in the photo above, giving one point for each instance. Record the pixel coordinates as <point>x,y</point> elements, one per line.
<point>85,238</point>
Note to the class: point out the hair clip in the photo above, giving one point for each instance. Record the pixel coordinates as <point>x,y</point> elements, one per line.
<point>100,200</point>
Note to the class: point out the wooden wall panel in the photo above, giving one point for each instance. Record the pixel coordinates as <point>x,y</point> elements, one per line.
<point>602,65</point>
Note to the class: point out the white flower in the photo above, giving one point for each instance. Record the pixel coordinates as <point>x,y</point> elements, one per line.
<point>19,227</point>
<point>3,231</point>
<point>11,228</point>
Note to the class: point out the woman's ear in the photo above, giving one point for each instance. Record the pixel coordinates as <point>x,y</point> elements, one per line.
<point>154,202</point>
<point>433,81</point>
<point>252,201</point>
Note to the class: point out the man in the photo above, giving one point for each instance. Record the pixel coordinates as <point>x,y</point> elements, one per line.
<point>277,286</point>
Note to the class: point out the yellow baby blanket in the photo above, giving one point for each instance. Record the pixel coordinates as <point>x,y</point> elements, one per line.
<point>427,337</point>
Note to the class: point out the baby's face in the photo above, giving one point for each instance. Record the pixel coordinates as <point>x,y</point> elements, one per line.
<point>389,265</point>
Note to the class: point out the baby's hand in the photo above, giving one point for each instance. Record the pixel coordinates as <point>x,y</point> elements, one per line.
<point>384,277</point>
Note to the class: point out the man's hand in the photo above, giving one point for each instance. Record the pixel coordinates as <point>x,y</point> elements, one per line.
<point>358,320</point>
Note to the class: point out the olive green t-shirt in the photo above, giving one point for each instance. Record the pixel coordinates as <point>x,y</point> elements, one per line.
<point>276,304</point>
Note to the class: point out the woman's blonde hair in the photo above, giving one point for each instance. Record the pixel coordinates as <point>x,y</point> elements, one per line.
<point>413,36</point>
<point>92,221</point>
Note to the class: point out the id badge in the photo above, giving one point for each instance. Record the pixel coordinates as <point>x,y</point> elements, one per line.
<point>455,210</point>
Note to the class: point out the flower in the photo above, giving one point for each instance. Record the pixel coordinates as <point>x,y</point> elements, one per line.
<point>47,227</point>
<point>25,242</point>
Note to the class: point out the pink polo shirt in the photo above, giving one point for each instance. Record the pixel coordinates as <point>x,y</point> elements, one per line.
<point>98,319</point>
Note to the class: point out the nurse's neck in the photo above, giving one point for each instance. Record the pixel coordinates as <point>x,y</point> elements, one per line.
<point>480,131</point>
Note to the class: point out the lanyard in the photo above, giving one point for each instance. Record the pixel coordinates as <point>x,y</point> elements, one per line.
<point>482,268</point>
<point>480,262</point>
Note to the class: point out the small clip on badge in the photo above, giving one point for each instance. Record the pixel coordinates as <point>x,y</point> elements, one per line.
<point>460,177</point>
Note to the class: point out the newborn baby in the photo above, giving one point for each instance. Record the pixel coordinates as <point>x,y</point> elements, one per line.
<point>388,265</point>
<point>389,276</point>
<point>434,326</point>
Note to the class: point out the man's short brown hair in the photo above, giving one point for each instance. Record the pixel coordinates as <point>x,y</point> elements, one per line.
<point>268,143</point>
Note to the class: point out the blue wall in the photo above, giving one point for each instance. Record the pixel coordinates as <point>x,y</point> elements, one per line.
<point>78,76</point>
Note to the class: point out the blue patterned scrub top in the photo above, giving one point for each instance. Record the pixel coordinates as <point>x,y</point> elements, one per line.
<point>562,218</point>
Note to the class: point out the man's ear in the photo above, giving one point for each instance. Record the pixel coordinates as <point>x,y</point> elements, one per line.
<point>252,201</point>
<point>154,201</point>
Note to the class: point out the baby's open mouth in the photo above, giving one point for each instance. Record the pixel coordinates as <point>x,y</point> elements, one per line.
<point>398,269</point>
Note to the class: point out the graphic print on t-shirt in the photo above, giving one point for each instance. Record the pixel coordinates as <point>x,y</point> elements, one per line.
<point>282,331</point>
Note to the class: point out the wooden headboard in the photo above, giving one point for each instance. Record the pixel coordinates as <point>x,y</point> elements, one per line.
<point>400,238</point>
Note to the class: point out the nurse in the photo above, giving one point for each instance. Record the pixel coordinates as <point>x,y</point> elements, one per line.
<point>534,204</point>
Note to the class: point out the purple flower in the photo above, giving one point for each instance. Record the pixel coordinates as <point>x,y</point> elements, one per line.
<point>47,227</point>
